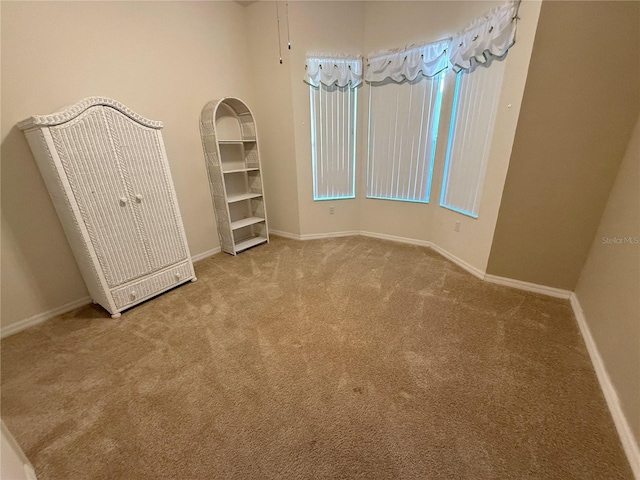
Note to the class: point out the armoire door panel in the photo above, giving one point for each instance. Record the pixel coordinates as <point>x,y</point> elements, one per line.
<point>151,191</point>
<point>90,163</point>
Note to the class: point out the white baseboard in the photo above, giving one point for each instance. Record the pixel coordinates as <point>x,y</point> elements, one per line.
<point>313,236</point>
<point>529,287</point>
<point>624,430</point>
<point>280,233</point>
<point>425,243</point>
<point>207,254</point>
<point>67,307</point>
<point>475,271</point>
<point>611,396</point>
<point>395,238</point>
<point>317,236</point>
<point>43,317</point>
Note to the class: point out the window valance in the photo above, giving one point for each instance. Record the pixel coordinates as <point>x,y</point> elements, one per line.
<point>340,71</point>
<point>489,36</point>
<point>428,60</point>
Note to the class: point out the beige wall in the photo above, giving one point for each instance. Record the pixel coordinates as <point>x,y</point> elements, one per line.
<point>321,27</point>
<point>273,108</point>
<point>164,60</point>
<point>360,28</point>
<point>15,464</point>
<point>472,243</point>
<point>395,24</point>
<point>282,106</point>
<point>609,284</point>
<point>581,101</point>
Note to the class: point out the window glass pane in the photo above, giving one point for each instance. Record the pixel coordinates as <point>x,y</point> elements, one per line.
<point>472,122</point>
<point>333,145</point>
<point>403,127</point>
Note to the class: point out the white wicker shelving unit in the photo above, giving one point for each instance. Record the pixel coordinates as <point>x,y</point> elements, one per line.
<point>108,176</point>
<point>230,145</point>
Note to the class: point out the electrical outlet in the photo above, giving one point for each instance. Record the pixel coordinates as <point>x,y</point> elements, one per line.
<point>457,227</point>
<point>332,210</point>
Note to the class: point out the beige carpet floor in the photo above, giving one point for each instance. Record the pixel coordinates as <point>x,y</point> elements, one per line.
<point>343,358</point>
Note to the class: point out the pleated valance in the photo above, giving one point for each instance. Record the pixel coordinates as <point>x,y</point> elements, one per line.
<point>488,36</point>
<point>340,71</point>
<point>427,60</point>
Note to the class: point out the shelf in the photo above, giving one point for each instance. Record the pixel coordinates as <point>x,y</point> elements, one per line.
<point>236,142</point>
<point>245,222</point>
<point>242,196</point>
<point>230,146</point>
<point>239,170</point>
<point>250,242</point>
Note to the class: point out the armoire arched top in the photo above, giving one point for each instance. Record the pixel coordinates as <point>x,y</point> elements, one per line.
<point>69,113</point>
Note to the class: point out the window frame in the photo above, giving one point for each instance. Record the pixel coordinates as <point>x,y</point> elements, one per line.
<point>353,132</point>
<point>437,111</point>
<point>451,138</point>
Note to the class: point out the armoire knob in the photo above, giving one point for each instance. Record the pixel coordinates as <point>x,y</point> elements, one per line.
<point>139,197</point>
<point>123,201</point>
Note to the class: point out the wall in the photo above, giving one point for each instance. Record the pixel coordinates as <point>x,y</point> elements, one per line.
<point>282,106</point>
<point>273,109</point>
<point>164,60</point>
<point>581,100</point>
<point>15,465</point>
<point>473,242</point>
<point>321,27</point>
<point>395,24</point>
<point>360,28</point>
<point>610,281</point>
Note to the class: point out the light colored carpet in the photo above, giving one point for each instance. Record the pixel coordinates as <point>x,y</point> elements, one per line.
<point>341,358</point>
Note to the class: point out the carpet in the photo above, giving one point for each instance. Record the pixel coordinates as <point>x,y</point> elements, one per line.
<point>346,358</point>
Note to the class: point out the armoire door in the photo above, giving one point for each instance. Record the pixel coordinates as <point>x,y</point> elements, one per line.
<point>141,155</point>
<point>90,161</point>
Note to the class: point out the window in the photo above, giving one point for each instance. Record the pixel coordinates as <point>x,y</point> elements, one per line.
<point>333,141</point>
<point>473,119</point>
<point>405,96</point>
<point>403,128</point>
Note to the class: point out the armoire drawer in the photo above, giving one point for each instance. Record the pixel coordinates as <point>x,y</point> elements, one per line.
<point>153,284</point>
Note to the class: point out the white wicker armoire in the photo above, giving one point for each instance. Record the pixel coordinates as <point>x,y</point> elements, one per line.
<point>107,173</point>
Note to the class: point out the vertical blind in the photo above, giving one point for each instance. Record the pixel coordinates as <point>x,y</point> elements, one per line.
<point>472,122</point>
<point>333,146</point>
<point>403,127</point>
